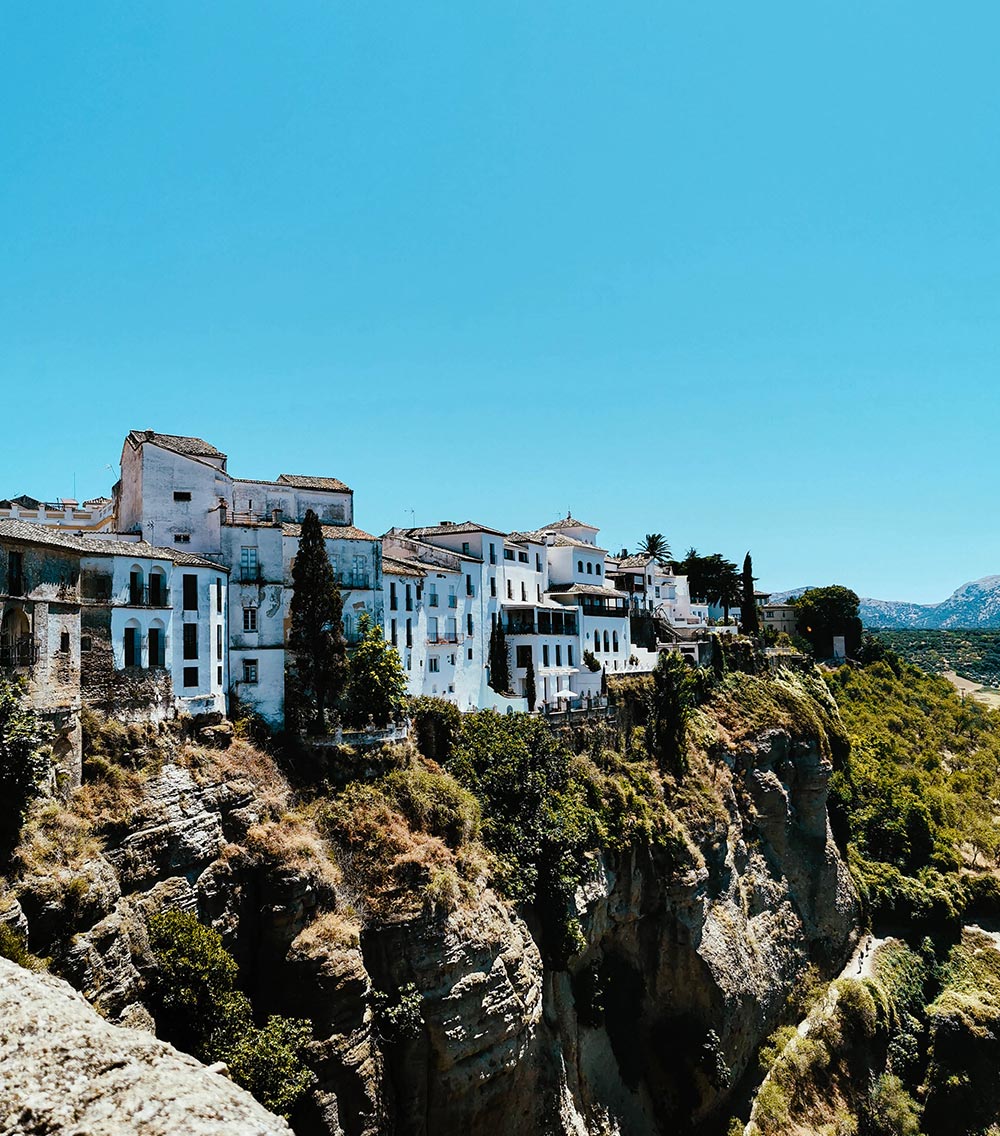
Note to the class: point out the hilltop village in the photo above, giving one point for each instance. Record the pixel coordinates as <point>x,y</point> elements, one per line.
<point>172,596</point>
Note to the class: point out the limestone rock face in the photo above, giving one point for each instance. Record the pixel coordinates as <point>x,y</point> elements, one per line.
<point>65,1070</point>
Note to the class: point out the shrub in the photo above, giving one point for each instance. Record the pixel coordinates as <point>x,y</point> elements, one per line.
<point>199,1009</point>
<point>436,724</point>
<point>24,760</point>
<point>13,947</point>
<point>401,1018</point>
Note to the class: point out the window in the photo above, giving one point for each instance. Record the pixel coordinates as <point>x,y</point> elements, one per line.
<point>218,676</point>
<point>182,538</point>
<point>15,574</point>
<point>614,640</point>
<point>468,623</point>
<point>452,598</point>
<point>597,569</point>
<point>524,591</point>
<point>597,640</point>
<point>522,557</point>
<point>393,604</point>
<point>249,670</point>
<point>84,643</point>
<point>190,581</point>
<point>466,548</point>
<point>569,654</point>
<point>432,629</point>
<point>468,654</point>
<point>510,590</point>
<point>538,592</point>
<point>190,676</point>
<point>218,593</point>
<point>182,495</point>
<point>590,568</point>
<point>156,645</point>
<point>218,641</point>
<point>393,638</point>
<point>493,585</point>
<point>470,589</point>
<point>545,654</point>
<point>409,598</point>
<point>451,659</point>
<point>432,596</point>
<point>409,633</point>
<point>579,567</point>
<point>607,641</point>
<point>558,655</point>
<point>493,554</point>
<point>157,589</point>
<point>190,640</point>
<point>249,564</point>
<point>508,554</point>
<point>135,586</point>
<point>451,629</point>
<point>538,562</point>
<point>250,619</point>
<point>523,656</point>
<point>132,647</point>
<point>433,664</point>
<point>64,642</point>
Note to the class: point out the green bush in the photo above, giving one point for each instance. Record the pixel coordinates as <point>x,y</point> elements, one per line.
<point>13,947</point>
<point>24,760</point>
<point>433,803</point>
<point>401,1018</point>
<point>198,1008</point>
<point>436,725</point>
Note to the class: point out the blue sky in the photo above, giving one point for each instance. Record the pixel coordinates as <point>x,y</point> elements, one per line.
<point>728,271</point>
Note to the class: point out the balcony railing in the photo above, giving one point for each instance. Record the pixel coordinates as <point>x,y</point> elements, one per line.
<point>18,652</point>
<point>443,637</point>
<point>251,574</point>
<point>149,597</point>
<point>350,579</point>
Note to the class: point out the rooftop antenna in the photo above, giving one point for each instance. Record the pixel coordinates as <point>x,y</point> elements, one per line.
<point>413,518</point>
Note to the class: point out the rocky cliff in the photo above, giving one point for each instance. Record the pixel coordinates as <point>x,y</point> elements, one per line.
<point>63,1068</point>
<point>687,957</point>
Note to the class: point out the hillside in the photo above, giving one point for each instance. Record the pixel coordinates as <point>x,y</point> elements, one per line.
<point>975,605</point>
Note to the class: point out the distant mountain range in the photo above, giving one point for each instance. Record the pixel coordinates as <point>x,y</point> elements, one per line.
<point>973,606</point>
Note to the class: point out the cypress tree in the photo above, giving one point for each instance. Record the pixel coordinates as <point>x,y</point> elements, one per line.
<point>751,623</point>
<point>500,673</point>
<point>317,649</point>
<point>529,684</point>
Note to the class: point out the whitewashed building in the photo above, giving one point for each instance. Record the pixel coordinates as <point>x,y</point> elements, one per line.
<point>178,491</point>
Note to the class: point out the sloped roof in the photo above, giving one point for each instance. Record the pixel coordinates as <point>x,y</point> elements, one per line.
<point>560,540</point>
<point>179,443</point>
<point>302,481</point>
<point>50,536</point>
<point>569,522</point>
<point>393,566</point>
<point>586,590</point>
<point>330,532</point>
<point>462,527</point>
<point>636,560</point>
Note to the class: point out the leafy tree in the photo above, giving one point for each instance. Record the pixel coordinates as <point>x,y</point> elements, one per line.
<point>748,604</point>
<point>437,724</point>
<point>376,682</point>
<point>317,650</point>
<point>499,659</point>
<point>823,613</point>
<point>656,546</point>
<point>671,704</point>
<point>24,760</point>
<point>199,1009</point>
<point>529,684</point>
<point>712,578</point>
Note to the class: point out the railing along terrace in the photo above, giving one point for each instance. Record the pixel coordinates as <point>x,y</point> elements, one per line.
<point>251,574</point>
<point>21,651</point>
<point>350,579</point>
<point>148,596</point>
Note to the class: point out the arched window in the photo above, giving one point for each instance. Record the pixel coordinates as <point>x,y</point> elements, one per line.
<point>157,641</point>
<point>590,568</point>
<point>607,642</point>
<point>597,640</point>
<point>135,587</point>
<point>157,588</point>
<point>614,640</point>
<point>579,567</point>
<point>597,569</point>
<point>132,644</point>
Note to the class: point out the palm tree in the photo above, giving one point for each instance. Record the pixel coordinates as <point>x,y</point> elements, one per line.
<point>656,546</point>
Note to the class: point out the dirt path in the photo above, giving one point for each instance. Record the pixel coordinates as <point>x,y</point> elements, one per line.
<point>860,964</point>
<point>985,694</point>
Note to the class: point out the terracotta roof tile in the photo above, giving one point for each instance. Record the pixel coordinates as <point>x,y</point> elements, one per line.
<point>50,536</point>
<point>330,532</point>
<point>179,443</point>
<point>301,481</point>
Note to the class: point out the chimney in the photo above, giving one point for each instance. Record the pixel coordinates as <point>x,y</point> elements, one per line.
<point>276,515</point>
<point>446,524</point>
<point>623,553</point>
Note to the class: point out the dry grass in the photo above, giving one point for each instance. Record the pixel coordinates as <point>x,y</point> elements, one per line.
<point>242,761</point>
<point>293,842</point>
<point>54,840</point>
<point>332,931</point>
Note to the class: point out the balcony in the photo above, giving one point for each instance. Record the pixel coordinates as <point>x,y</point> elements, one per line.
<point>554,623</point>
<point>150,596</point>
<point>350,579</point>
<point>443,637</point>
<point>21,651</point>
<point>251,574</point>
